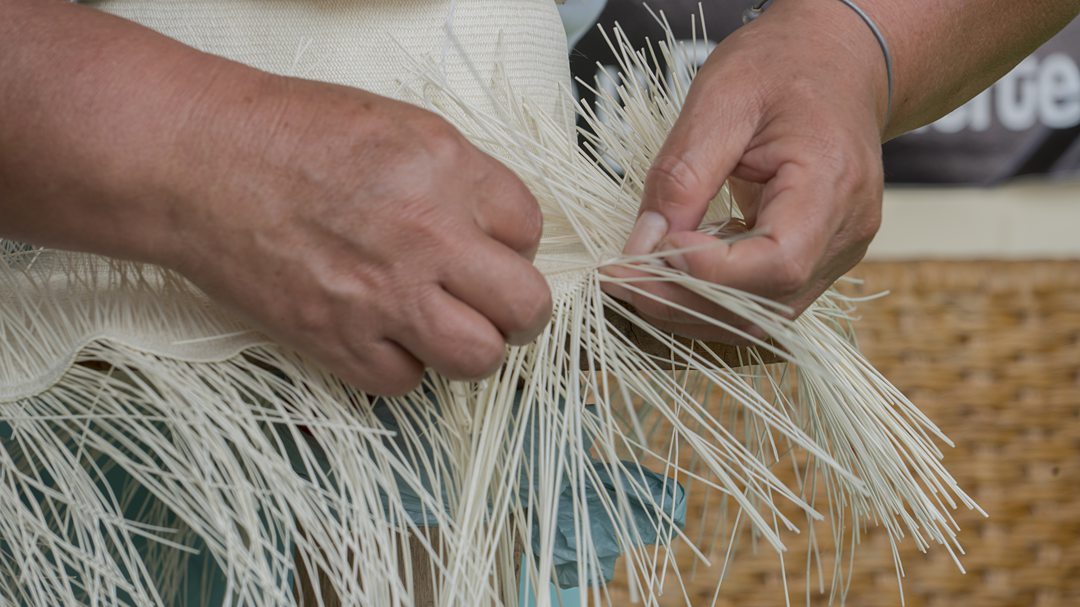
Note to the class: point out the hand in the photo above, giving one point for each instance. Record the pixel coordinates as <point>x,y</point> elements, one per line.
<point>361,231</point>
<point>788,110</point>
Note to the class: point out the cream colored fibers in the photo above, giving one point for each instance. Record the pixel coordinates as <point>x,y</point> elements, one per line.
<point>258,455</point>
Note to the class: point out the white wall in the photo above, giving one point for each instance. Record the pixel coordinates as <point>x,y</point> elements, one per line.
<point>1033,220</point>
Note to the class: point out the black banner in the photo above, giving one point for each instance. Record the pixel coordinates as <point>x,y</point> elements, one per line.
<point>1026,124</point>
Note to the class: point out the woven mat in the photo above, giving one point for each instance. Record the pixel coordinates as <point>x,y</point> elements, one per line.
<point>991,351</point>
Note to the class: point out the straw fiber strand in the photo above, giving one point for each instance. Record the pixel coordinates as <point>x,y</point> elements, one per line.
<point>991,351</point>
<point>258,459</point>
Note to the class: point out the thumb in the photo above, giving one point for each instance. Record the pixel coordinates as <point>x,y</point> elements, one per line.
<point>701,151</point>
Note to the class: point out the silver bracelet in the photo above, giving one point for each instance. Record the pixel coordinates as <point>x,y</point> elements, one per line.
<point>755,11</point>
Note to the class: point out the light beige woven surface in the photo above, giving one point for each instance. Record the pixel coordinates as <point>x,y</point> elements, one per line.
<point>481,50</point>
<point>991,352</point>
<point>375,44</point>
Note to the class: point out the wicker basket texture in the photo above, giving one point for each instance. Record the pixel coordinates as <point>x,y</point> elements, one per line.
<point>991,351</point>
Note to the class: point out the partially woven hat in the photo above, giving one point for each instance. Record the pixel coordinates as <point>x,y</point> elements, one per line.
<point>141,423</point>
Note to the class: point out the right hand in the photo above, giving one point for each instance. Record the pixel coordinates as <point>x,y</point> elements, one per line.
<point>364,232</point>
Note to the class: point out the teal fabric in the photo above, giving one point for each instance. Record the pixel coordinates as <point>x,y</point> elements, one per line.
<point>559,597</point>
<point>648,493</point>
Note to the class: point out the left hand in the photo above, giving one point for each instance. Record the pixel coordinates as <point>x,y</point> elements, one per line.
<point>788,110</point>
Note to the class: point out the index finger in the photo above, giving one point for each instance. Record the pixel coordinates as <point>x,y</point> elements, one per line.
<point>779,261</point>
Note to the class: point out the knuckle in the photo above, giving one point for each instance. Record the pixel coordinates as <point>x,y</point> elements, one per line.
<point>517,212</point>
<point>856,166</point>
<point>405,374</point>
<point>542,304</point>
<point>532,220</point>
<point>851,171</point>
<point>479,358</point>
<point>442,139</point>
<point>388,379</point>
<point>673,179</point>
<point>869,227</point>
<point>791,279</point>
<point>792,275</point>
<point>873,215</point>
<point>531,309</point>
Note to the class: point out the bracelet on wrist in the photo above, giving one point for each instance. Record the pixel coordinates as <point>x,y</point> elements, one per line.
<point>760,5</point>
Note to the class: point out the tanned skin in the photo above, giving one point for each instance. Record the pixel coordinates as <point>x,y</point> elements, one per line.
<point>370,235</point>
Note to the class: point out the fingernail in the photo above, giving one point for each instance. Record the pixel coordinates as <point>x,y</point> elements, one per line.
<point>650,228</point>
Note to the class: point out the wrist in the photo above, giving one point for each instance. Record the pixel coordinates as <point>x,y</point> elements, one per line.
<point>839,39</point>
<point>222,127</point>
<point>96,110</point>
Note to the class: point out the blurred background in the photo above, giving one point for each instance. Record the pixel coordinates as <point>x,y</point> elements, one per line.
<point>980,249</point>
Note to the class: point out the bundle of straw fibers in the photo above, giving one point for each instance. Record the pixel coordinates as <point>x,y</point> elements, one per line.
<point>143,427</point>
